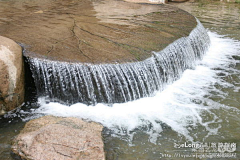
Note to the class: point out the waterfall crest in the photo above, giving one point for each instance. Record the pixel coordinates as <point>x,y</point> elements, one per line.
<point>116,83</point>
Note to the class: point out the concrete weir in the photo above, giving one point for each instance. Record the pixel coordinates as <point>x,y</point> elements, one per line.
<point>103,51</point>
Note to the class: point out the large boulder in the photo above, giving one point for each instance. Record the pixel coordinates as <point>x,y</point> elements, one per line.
<point>49,138</point>
<point>11,75</point>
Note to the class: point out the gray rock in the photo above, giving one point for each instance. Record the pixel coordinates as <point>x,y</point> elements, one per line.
<point>11,75</point>
<point>49,138</point>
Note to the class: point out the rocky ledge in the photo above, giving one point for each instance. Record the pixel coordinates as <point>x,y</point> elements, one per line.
<point>49,138</point>
<point>101,31</point>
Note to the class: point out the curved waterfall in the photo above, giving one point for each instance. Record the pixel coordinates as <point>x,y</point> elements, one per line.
<point>117,83</point>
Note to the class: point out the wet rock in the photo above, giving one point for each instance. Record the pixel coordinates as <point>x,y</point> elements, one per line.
<point>86,31</point>
<point>11,75</point>
<point>49,138</point>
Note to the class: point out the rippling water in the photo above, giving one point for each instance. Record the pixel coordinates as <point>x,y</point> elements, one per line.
<point>202,106</point>
<point>220,17</point>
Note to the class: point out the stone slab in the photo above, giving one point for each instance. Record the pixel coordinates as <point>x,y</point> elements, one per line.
<point>87,31</point>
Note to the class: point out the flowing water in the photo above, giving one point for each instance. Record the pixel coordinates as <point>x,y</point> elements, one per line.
<point>118,83</point>
<point>202,106</point>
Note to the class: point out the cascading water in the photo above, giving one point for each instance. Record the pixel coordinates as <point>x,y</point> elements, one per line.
<point>117,83</point>
<point>201,107</point>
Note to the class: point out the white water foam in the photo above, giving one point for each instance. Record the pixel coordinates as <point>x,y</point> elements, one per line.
<point>180,105</point>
